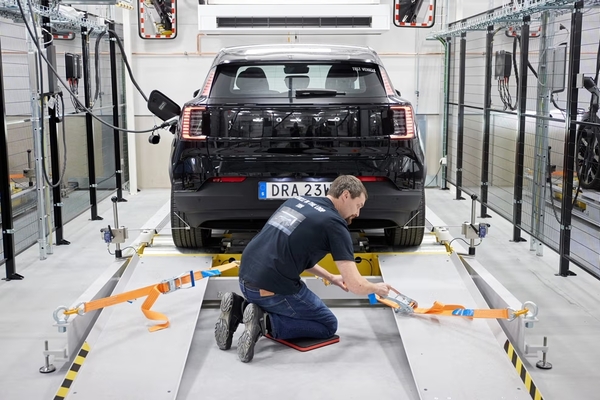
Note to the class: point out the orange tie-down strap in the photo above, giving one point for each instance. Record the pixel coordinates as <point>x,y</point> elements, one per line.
<point>454,310</point>
<point>152,292</point>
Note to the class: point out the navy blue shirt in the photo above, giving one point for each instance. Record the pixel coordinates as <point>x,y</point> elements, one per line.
<point>296,237</point>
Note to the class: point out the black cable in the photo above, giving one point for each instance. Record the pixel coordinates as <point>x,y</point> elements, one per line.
<point>515,40</point>
<point>507,96</point>
<point>533,71</point>
<point>64,168</point>
<point>371,264</point>
<point>501,93</point>
<point>66,86</point>
<point>556,105</point>
<point>36,39</point>
<point>435,176</point>
<point>97,67</point>
<point>127,64</point>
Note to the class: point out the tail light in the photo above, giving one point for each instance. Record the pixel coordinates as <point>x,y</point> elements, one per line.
<point>208,83</point>
<point>387,83</point>
<point>404,123</point>
<point>228,179</point>
<point>372,178</point>
<point>191,123</point>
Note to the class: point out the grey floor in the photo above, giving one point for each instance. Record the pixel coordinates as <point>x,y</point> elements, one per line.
<point>569,317</point>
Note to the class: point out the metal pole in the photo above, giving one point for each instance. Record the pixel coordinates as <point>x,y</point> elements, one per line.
<point>47,368</point>
<point>473,221</point>
<point>115,199</point>
<point>447,75</point>
<point>115,101</point>
<point>36,126</point>
<point>8,232</point>
<point>89,123</point>
<point>461,114</point>
<point>570,140</point>
<point>29,166</point>
<point>487,104</point>
<point>540,167</point>
<point>520,147</point>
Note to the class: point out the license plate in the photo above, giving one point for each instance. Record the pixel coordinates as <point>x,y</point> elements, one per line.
<point>281,190</point>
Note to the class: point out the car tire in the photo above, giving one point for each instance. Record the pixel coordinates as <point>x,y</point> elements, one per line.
<point>412,234</point>
<point>185,236</point>
<point>588,157</point>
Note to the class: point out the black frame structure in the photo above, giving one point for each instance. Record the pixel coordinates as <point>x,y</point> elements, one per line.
<point>89,123</point>
<point>459,31</point>
<point>116,106</point>
<point>8,237</point>
<point>6,206</point>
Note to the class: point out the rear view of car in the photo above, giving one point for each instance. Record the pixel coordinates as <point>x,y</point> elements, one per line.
<point>273,122</point>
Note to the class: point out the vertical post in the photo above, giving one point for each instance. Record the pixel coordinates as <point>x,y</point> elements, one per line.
<point>487,104</point>
<point>447,77</point>
<point>540,167</point>
<point>56,170</point>
<point>8,232</point>
<point>473,221</point>
<point>115,101</point>
<point>38,150</point>
<point>54,156</point>
<point>570,139</point>
<point>461,114</point>
<point>520,147</point>
<point>85,52</point>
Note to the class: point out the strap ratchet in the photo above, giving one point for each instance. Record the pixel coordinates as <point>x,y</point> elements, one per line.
<point>184,281</point>
<point>403,304</point>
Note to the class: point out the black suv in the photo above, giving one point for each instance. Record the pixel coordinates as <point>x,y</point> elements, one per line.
<point>276,121</point>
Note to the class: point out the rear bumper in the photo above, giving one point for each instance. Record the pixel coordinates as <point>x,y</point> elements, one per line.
<point>237,206</point>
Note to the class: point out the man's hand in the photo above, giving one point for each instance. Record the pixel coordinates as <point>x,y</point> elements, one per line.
<point>382,289</point>
<point>338,280</point>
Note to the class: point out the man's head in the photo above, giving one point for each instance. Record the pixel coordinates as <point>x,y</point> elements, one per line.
<point>348,195</point>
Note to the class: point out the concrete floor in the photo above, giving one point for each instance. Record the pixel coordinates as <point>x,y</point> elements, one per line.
<point>569,315</point>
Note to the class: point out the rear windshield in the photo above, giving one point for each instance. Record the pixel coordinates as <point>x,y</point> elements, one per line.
<point>284,80</point>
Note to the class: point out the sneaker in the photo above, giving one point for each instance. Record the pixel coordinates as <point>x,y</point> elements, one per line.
<point>255,326</point>
<point>232,306</point>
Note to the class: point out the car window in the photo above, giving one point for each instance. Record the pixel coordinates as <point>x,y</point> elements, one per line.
<point>283,80</point>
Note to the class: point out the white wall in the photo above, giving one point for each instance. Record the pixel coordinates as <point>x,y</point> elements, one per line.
<point>178,67</point>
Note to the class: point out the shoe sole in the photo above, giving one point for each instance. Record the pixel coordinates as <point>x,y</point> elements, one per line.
<point>246,342</point>
<point>222,327</point>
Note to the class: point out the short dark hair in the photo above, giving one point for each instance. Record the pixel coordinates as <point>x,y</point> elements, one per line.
<point>350,183</point>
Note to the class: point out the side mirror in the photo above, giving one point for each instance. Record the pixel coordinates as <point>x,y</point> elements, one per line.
<point>196,92</point>
<point>162,106</point>
<point>398,93</point>
<point>414,13</point>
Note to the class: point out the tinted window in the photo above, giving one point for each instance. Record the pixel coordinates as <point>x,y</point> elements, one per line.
<point>282,80</point>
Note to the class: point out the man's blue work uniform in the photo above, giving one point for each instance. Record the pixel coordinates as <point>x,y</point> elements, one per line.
<point>296,237</point>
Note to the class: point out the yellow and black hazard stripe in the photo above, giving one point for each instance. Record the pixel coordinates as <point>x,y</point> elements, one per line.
<point>70,377</point>
<point>534,392</point>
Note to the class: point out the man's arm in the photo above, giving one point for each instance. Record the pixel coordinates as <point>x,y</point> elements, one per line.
<point>321,272</point>
<point>357,284</point>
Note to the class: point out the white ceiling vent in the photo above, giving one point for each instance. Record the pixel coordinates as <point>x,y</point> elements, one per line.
<point>223,17</point>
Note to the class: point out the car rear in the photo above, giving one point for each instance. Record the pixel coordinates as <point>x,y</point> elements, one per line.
<point>262,132</point>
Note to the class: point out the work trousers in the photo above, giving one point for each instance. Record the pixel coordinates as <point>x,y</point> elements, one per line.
<point>294,316</point>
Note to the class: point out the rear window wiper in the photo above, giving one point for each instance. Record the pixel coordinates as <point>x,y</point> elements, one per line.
<point>317,92</point>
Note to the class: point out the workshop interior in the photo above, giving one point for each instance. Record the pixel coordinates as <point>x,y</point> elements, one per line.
<point>144,144</point>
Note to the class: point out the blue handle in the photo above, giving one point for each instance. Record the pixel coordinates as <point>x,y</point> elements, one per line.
<point>372,298</point>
